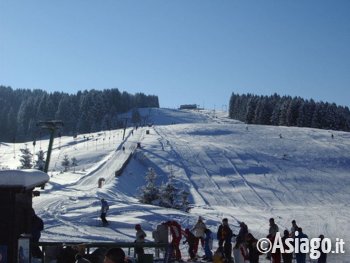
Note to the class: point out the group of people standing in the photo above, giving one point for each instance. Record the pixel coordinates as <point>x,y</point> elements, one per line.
<point>199,234</point>
<point>297,234</point>
<point>244,250</point>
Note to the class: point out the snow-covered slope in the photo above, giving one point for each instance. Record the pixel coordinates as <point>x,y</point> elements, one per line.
<point>244,172</point>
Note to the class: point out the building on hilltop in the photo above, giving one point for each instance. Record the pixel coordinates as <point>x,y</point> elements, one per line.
<point>188,107</point>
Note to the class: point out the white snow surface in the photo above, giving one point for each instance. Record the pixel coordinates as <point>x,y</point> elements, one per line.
<point>22,178</point>
<point>242,172</point>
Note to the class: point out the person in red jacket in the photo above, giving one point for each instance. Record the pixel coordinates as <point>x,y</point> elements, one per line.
<point>175,230</point>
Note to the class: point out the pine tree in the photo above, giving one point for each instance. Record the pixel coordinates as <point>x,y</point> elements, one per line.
<point>26,159</point>
<point>293,111</point>
<point>40,162</point>
<point>184,203</point>
<point>135,116</point>
<point>283,112</point>
<point>168,192</point>
<point>149,192</point>
<point>168,195</point>
<point>74,163</point>
<point>65,162</point>
<point>250,113</point>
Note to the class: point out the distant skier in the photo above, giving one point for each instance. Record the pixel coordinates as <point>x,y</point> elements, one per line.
<point>104,210</point>
<point>123,149</point>
<point>224,236</point>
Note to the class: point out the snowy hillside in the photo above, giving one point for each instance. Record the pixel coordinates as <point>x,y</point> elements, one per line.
<point>243,172</point>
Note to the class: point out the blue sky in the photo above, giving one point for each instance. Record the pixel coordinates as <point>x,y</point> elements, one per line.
<point>184,51</point>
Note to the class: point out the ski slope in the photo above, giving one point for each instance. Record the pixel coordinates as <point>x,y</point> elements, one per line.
<point>243,172</point>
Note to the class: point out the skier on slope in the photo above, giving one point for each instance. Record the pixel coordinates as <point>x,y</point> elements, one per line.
<point>104,210</point>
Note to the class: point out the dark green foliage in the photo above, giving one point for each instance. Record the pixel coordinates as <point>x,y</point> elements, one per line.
<point>85,111</point>
<point>65,162</point>
<point>26,159</point>
<point>40,162</point>
<point>135,117</point>
<point>150,192</point>
<point>288,111</point>
<point>74,163</point>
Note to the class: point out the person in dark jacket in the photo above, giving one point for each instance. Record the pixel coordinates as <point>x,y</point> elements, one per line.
<point>191,240</point>
<point>243,231</point>
<point>253,252</point>
<point>287,257</point>
<point>300,257</point>
<point>208,245</point>
<point>104,210</point>
<point>273,229</point>
<point>37,227</point>
<point>224,236</point>
<point>293,228</point>
<point>323,256</point>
